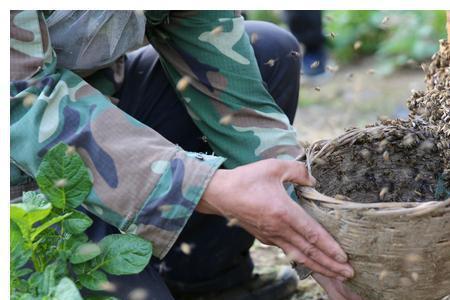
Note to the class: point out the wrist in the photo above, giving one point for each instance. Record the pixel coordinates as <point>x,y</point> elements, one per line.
<point>208,203</point>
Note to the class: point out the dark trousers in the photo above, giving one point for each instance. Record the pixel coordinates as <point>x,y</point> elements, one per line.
<point>219,256</point>
<point>306,26</point>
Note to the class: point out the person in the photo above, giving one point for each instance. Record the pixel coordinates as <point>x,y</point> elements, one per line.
<point>306,26</point>
<point>143,123</point>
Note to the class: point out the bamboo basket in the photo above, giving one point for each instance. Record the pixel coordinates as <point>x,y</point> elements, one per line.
<point>399,250</point>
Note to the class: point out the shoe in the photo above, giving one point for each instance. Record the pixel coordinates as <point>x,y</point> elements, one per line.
<point>275,285</point>
<point>314,69</point>
<point>314,63</point>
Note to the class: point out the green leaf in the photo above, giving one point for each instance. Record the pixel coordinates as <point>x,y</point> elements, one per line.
<point>48,279</point>
<point>20,286</point>
<point>74,240</point>
<point>78,222</point>
<point>84,253</point>
<point>23,272</point>
<point>27,213</point>
<point>26,297</point>
<point>20,253</point>
<point>83,268</point>
<point>63,177</point>
<point>66,290</point>
<point>46,245</point>
<point>47,224</point>
<point>34,199</point>
<point>94,281</point>
<point>124,254</point>
<point>35,280</point>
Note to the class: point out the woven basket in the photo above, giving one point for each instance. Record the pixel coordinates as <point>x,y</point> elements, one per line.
<point>399,250</point>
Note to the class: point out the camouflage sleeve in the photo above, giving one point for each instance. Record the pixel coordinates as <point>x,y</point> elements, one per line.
<point>208,57</point>
<point>142,183</point>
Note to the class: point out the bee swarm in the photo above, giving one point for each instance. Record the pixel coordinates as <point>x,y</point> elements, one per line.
<point>405,160</point>
<point>433,104</point>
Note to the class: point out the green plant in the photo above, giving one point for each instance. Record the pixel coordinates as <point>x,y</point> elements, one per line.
<point>414,35</point>
<point>272,16</point>
<point>394,37</point>
<point>51,257</point>
<point>348,27</point>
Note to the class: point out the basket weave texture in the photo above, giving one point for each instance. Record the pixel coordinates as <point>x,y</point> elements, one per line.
<point>399,250</point>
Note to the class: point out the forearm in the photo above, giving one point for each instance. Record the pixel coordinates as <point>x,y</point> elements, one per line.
<point>142,183</point>
<point>225,95</point>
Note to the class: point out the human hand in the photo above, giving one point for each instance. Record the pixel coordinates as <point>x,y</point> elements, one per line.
<point>335,289</point>
<point>255,197</point>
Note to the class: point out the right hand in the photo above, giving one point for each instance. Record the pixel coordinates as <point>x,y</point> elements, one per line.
<point>254,195</point>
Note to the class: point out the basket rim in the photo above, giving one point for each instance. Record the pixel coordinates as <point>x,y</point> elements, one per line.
<point>368,209</point>
<point>376,209</point>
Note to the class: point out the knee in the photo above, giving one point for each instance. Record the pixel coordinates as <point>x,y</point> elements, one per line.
<point>142,59</point>
<point>272,39</point>
<point>284,39</point>
<point>271,42</point>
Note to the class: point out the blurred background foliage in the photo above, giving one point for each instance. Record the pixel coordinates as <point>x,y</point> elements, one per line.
<point>395,38</point>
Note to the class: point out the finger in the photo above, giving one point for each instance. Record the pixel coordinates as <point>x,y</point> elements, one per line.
<point>287,245</point>
<point>347,293</point>
<point>300,258</point>
<point>296,172</point>
<point>338,289</point>
<point>328,285</point>
<point>314,233</point>
<point>318,256</point>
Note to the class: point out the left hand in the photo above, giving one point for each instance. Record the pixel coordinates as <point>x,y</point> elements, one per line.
<point>335,288</point>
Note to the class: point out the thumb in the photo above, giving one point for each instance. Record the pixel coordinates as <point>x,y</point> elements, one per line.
<point>296,172</point>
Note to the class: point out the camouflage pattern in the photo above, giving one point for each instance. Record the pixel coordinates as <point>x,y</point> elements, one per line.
<point>142,183</point>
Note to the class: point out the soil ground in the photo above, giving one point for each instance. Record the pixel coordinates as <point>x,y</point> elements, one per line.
<point>353,97</point>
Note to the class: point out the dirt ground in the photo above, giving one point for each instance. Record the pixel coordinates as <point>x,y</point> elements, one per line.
<point>352,97</point>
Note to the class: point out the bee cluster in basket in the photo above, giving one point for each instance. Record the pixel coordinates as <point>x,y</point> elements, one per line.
<point>398,161</point>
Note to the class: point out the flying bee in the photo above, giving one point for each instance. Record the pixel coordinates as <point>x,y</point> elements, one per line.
<point>332,69</point>
<point>253,37</point>
<point>386,156</point>
<point>357,45</point>
<point>218,30</point>
<point>271,62</point>
<point>60,183</point>
<point>350,76</point>
<point>315,64</point>
<point>383,192</point>
<point>183,83</point>
<point>186,248</point>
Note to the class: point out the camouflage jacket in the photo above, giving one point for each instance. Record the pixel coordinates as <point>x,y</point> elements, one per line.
<point>143,183</point>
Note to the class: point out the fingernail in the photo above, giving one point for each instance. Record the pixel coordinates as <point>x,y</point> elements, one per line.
<point>347,273</point>
<point>341,258</point>
<point>313,180</point>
